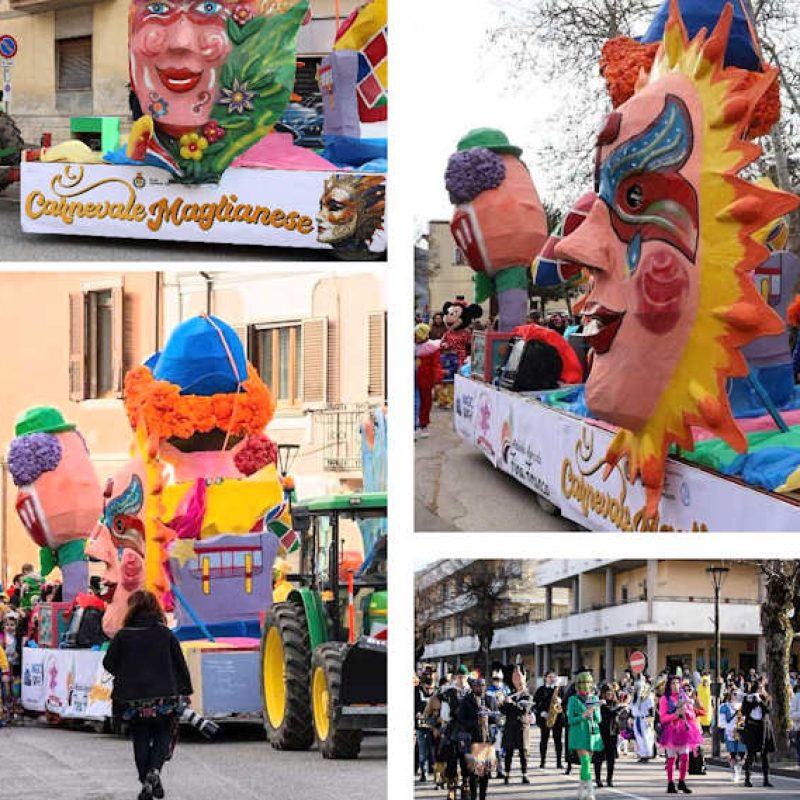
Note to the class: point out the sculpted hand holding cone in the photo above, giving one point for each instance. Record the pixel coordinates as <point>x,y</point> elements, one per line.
<point>59,496</point>
<point>670,243</point>
<point>499,222</point>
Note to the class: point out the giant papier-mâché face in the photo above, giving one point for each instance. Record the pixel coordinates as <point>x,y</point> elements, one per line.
<point>669,245</point>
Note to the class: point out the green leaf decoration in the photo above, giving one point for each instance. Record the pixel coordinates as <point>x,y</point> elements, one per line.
<point>262,63</point>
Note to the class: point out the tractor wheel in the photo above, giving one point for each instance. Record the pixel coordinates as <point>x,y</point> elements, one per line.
<point>9,137</point>
<point>326,684</point>
<point>285,677</point>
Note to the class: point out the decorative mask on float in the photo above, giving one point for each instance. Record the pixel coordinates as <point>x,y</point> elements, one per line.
<point>118,541</point>
<point>670,246</point>
<point>498,222</point>
<point>351,211</point>
<point>59,496</point>
<point>211,76</point>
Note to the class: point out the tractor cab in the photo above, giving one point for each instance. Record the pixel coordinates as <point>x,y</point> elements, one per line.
<point>323,652</point>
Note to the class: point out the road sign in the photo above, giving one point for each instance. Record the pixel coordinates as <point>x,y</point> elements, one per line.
<point>637,661</point>
<point>8,46</point>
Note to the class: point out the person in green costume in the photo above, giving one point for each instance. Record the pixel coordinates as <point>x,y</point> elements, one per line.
<point>583,715</point>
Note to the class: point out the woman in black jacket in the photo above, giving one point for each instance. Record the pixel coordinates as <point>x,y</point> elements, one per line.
<point>757,734</point>
<point>150,678</point>
<point>610,709</point>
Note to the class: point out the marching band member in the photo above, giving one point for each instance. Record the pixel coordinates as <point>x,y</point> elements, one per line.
<point>549,717</point>
<point>583,716</point>
<point>516,708</point>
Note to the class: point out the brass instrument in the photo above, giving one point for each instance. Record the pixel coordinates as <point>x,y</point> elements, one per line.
<point>556,707</point>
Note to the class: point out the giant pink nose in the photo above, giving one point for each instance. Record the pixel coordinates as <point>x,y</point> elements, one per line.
<point>183,35</point>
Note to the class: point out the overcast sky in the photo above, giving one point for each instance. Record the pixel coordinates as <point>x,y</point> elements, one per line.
<point>462,86</point>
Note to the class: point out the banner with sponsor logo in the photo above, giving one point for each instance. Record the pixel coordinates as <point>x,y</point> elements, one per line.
<point>562,458</point>
<point>280,208</point>
<point>693,500</point>
<point>69,683</point>
<point>527,443</point>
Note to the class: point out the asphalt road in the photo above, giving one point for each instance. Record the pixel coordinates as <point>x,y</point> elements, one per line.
<point>632,781</point>
<point>18,246</point>
<point>456,488</point>
<point>39,762</point>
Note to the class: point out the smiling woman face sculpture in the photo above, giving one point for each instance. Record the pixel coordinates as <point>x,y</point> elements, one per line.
<point>669,244</point>
<point>177,48</point>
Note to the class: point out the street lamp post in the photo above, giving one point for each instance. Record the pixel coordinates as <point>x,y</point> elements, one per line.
<point>717,574</point>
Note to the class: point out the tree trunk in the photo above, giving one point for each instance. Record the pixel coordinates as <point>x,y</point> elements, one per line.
<point>484,645</point>
<point>776,624</point>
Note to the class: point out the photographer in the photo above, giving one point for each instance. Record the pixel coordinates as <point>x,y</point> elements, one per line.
<point>150,678</point>
<point>757,734</point>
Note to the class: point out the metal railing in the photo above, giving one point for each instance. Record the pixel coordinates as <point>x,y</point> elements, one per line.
<point>341,436</point>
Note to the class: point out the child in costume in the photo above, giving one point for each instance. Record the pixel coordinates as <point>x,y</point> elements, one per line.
<point>6,703</point>
<point>732,722</point>
<point>680,733</point>
<point>427,374</point>
<point>583,716</point>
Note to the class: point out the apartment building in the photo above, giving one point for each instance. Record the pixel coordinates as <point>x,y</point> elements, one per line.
<point>664,608</point>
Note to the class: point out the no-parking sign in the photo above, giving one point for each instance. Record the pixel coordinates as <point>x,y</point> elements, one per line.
<point>637,662</point>
<point>8,46</point>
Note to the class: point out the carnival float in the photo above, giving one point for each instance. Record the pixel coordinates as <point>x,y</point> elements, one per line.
<point>209,157</point>
<point>688,416</point>
<point>280,605</point>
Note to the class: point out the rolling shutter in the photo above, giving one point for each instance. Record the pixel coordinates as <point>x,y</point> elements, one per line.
<point>74,64</point>
<point>376,340</point>
<point>77,352</point>
<point>314,362</point>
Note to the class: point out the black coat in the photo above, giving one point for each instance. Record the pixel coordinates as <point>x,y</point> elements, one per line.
<point>147,662</point>
<point>757,734</point>
<point>469,715</point>
<point>609,723</point>
<point>514,713</point>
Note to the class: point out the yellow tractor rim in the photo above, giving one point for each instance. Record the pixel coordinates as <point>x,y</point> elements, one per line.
<point>274,678</point>
<point>321,699</point>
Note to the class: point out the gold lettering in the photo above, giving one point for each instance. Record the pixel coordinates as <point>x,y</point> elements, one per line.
<point>305,225</point>
<point>277,217</point>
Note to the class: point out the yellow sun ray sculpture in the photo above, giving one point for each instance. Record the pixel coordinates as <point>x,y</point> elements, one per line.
<point>730,313</point>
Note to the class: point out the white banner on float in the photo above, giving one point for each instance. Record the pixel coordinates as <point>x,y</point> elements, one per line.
<point>69,683</point>
<point>693,499</point>
<point>277,208</point>
<point>561,458</point>
<point>464,407</point>
<point>528,441</point>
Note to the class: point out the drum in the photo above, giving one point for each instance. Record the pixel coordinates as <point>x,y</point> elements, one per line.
<point>481,759</point>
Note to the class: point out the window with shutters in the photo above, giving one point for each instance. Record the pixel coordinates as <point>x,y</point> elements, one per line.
<point>277,357</point>
<point>376,337</point>
<point>96,343</point>
<point>314,362</point>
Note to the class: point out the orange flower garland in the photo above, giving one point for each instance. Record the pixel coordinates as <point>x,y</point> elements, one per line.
<point>167,413</point>
<point>622,59</point>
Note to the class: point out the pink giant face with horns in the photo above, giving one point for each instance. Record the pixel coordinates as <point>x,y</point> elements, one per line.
<point>176,51</point>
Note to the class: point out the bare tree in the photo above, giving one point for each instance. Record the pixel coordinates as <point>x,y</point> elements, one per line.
<point>782,583</point>
<point>486,586</point>
<point>559,42</point>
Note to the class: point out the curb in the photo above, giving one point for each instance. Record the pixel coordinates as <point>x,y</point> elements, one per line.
<point>783,772</point>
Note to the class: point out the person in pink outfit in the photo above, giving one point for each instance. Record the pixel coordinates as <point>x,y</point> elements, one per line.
<point>680,733</point>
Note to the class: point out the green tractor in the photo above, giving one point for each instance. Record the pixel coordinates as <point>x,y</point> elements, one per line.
<point>323,648</point>
<point>11,146</point>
